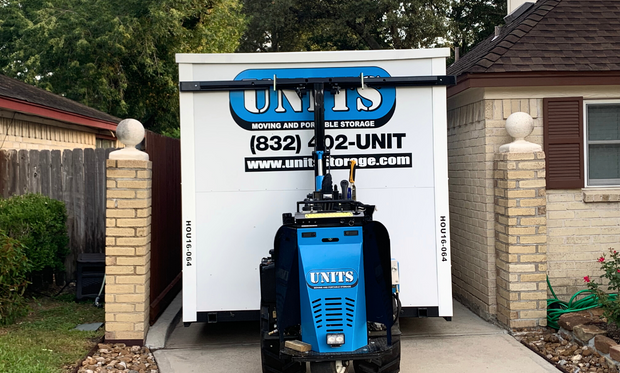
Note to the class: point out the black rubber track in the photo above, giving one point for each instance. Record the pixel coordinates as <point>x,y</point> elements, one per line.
<point>389,363</point>
<point>323,367</point>
<point>270,355</point>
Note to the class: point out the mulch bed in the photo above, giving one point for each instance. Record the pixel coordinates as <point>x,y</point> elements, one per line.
<point>119,358</point>
<point>568,356</point>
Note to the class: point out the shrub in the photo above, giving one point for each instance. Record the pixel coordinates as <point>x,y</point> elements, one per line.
<point>610,302</point>
<point>14,266</point>
<point>39,223</point>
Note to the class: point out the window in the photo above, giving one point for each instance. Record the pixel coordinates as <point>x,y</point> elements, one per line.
<point>582,142</point>
<point>602,142</point>
<point>105,143</point>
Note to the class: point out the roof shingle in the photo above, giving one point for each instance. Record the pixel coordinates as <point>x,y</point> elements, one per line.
<point>553,35</point>
<point>18,90</point>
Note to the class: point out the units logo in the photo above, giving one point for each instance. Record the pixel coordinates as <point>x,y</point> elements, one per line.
<point>285,110</point>
<point>332,278</point>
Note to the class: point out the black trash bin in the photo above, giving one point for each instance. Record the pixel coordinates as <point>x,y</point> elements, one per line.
<point>90,273</point>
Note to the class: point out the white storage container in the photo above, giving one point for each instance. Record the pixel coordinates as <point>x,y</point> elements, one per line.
<point>246,159</point>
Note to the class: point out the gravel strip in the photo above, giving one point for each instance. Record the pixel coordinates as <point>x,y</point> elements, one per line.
<point>119,358</point>
<point>567,355</point>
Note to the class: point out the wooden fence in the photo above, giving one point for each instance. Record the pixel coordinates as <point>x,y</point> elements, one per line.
<point>76,177</point>
<point>166,255</point>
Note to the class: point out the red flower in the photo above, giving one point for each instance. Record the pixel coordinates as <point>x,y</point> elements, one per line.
<point>601,259</point>
<point>619,271</point>
<point>586,279</point>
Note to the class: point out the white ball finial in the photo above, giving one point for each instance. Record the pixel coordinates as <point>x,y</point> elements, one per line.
<point>520,125</point>
<point>130,132</point>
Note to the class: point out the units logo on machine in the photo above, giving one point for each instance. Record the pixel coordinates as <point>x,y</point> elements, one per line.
<point>332,278</point>
<point>270,109</point>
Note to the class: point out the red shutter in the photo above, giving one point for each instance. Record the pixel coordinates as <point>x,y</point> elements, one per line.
<point>563,131</point>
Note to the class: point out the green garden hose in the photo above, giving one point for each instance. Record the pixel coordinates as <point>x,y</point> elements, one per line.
<point>556,307</point>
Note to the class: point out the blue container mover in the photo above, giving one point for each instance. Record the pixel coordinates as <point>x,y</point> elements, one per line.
<point>272,125</point>
<point>329,287</point>
<point>333,303</point>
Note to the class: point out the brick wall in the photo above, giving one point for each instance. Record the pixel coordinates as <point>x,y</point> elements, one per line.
<point>581,225</point>
<point>521,239</point>
<point>128,250</point>
<point>471,208</point>
<point>580,231</point>
<point>476,130</point>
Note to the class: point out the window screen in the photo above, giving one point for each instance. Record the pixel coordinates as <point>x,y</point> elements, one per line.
<point>603,130</point>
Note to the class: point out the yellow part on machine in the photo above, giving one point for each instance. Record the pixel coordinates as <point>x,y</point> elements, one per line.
<point>298,346</point>
<point>329,215</point>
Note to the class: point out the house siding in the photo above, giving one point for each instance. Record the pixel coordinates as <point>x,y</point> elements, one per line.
<point>20,134</point>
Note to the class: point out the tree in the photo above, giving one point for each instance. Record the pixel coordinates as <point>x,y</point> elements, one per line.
<point>272,26</point>
<point>295,25</point>
<point>117,56</point>
<point>472,21</point>
<point>292,25</point>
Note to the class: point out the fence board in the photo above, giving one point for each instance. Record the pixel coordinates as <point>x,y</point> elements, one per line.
<point>22,184</point>
<point>45,172</point>
<point>4,173</point>
<point>67,198</point>
<point>56,191</point>
<point>77,245</point>
<point>34,172</point>
<point>90,189</point>
<point>14,174</point>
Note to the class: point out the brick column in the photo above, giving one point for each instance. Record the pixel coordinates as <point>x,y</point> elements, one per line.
<point>128,250</point>
<point>521,239</point>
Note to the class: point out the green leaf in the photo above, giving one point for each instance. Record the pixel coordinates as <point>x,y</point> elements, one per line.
<point>116,56</point>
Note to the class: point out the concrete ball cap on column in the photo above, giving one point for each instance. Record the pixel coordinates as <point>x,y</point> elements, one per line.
<point>520,125</point>
<point>130,132</point>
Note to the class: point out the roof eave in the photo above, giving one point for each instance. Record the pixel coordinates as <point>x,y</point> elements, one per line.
<point>56,114</point>
<point>534,79</point>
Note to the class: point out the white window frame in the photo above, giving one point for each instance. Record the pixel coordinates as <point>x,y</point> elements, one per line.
<point>612,182</point>
<point>101,141</point>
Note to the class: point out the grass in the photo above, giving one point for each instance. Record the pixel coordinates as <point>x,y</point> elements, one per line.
<point>44,342</point>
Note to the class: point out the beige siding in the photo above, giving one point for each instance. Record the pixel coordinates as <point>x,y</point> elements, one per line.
<point>20,134</point>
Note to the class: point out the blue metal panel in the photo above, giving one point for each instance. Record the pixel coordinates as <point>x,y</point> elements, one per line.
<point>331,280</point>
<point>319,178</point>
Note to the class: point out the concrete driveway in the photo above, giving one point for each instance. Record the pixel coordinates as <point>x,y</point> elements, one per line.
<point>466,344</point>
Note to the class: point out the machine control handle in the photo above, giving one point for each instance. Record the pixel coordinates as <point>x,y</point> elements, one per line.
<point>353,193</point>
<point>345,186</point>
<point>352,171</point>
